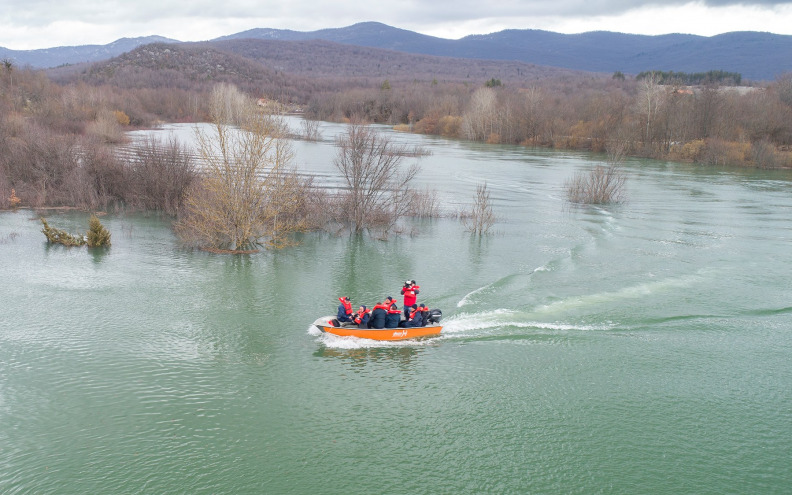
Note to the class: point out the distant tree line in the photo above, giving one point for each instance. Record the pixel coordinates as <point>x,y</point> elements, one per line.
<point>697,78</point>
<point>709,124</point>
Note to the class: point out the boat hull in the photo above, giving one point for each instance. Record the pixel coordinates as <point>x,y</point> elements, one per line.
<point>382,334</point>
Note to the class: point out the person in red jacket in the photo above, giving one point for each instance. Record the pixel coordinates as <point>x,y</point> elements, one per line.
<point>344,312</point>
<point>410,292</point>
<point>414,319</point>
<point>362,317</point>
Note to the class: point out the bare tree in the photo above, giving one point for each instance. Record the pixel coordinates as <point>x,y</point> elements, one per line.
<point>480,219</point>
<point>783,87</point>
<point>602,185</point>
<point>310,129</point>
<point>650,99</point>
<point>237,206</point>
<point>285,206</point>
<point>378,188</point>
<point>160,174</point>
<point>479,121</point>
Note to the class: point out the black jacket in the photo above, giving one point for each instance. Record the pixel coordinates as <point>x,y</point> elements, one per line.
<point>378,317</point>
<point>392,319</point>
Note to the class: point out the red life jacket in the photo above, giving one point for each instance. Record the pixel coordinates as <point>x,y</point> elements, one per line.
<point>347,305</point>
<point>380,306</point>
<point>360,314</point>
<point>409,294</point>
<point>414,312</point>
<point>394,309</point>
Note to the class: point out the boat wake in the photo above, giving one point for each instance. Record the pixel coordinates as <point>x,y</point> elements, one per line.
<point>507,321</point>
<point>519,279</point>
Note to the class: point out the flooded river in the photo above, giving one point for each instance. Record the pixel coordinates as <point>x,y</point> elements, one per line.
<point>641,348</point>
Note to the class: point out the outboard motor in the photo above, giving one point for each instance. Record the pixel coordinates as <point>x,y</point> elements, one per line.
<point>435,315</point>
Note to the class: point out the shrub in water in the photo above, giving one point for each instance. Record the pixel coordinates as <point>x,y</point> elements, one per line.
<point>57,236</point>
<point>97,235</point>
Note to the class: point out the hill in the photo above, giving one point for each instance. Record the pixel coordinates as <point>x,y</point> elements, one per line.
<point>755,55</point>
<point>293,70</point>
<point>63,55</point>
<point>320,58</point>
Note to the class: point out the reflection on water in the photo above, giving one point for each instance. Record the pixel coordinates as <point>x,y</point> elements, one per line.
<point>402,357</point>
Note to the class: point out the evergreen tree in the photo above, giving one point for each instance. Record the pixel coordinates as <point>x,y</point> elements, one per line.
<point>97,235</point>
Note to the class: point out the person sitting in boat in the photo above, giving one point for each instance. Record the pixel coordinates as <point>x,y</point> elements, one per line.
<point>344,312</point>
<point>378,315</point>
<point>424,314</point>
<point>361,319</point>
<point>393,318</point>
<point>415,318</point>
<point>410,292</point>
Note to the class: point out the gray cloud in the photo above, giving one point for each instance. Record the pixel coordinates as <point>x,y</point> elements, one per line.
<point>42,12</point>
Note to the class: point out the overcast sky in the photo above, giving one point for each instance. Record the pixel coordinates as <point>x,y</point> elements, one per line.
<point>29,24</point>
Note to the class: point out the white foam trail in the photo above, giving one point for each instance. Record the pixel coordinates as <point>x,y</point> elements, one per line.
<point>467,296</point>
<point>473,322</point>
<point>466,299</point>
<point>632,292</point>
<point>336,342</point>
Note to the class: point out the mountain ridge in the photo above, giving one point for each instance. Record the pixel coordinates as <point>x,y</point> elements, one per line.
<point>756,55</point>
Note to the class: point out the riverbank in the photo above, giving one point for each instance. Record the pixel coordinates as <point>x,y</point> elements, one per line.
<point>710,152</point>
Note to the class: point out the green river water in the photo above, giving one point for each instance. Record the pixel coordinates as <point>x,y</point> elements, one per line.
<point>642,348</point>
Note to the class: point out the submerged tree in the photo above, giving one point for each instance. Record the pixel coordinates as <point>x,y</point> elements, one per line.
<point>58,236</point>
<point>97,235</point>
<point>603,184</point>
<point>310,129</point>
<point>480,219</point>
<point>379,189</point>
<point>247,190</point>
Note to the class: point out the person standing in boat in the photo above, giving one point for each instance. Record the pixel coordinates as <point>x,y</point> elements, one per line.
<point>378,315</point>
<point>410,292</point>
<point>393,318</point>
<point>344,311</point>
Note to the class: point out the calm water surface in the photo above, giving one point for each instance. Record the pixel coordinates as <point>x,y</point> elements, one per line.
<point>645,348</point>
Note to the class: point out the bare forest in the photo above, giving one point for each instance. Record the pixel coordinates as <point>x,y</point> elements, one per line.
<point>60,131</point>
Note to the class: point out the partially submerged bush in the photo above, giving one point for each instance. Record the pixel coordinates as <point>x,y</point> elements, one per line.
<point>249,196</point>
<point>160,174</point>
<point>602,185</point>
<point>58,236</point>
<point>97,235</point>
<point>480,218</point>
